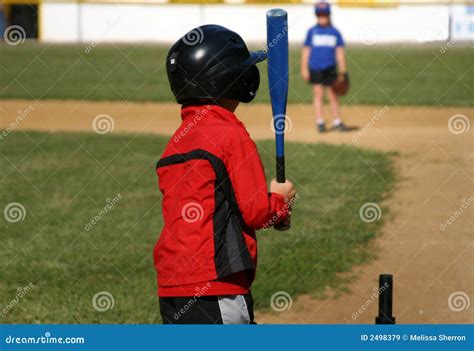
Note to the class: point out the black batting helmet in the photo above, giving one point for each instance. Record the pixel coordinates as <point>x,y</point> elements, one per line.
<point>213,62</point>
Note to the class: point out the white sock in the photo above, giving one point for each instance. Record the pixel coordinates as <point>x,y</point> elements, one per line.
<point>337,121</point>
<point>320,121</point>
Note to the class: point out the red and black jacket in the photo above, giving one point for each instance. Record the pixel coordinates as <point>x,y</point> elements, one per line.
<point>214,198</point>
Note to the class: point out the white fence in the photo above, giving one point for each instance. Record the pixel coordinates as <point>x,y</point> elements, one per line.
<point>164,23</point>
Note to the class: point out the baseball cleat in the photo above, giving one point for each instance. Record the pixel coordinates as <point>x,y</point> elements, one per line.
<point>341,127</point>
<point>321,127</point>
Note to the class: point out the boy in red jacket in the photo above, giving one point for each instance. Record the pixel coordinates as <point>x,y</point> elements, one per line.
<point>213,184</point>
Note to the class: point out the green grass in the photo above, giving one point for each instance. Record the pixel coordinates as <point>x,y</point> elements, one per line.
<point>415,75</point>
<point>63,181</point>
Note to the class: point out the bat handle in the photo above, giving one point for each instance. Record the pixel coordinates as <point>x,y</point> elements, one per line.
<point>285,224</point>
<point>280,163</point>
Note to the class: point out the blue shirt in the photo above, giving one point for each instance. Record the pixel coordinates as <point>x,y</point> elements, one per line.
<point>323,42</point>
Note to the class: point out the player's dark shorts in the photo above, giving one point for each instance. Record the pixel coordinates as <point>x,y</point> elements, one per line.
<point>226,309</point>
<point>325,77</point>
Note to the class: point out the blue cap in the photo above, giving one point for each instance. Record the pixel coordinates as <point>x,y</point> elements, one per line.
<point>322,8</point>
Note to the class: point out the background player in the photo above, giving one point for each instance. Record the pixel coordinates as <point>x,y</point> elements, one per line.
<point>322,62</point>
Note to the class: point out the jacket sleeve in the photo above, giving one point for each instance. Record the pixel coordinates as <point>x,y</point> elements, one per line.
<point>259,208</point>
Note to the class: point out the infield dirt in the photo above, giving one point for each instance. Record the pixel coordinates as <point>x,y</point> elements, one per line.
<point>429,253</point>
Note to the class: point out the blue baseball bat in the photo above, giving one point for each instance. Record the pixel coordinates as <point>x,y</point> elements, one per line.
<point>277,51</point>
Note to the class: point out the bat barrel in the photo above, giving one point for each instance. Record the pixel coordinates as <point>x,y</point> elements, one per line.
<point>277,60</point>
<point>385,300</point>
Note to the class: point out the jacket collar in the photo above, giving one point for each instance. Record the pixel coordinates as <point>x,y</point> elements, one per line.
<point>203,111</point>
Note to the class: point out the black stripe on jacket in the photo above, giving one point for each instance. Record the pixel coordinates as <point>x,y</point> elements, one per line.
<point>231,255</point>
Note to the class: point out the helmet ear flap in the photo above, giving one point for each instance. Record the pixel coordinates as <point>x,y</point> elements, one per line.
<point>251,83</point>
<point>245,84</point>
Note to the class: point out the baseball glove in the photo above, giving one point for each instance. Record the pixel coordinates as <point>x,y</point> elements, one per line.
<point>341,84</point>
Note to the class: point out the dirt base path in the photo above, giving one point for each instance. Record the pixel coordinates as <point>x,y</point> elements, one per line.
<point>426,243</point>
